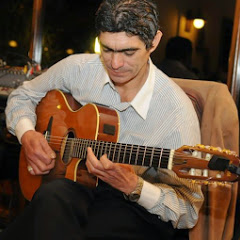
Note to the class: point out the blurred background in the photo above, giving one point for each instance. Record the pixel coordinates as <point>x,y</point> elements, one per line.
<point>68,27</point>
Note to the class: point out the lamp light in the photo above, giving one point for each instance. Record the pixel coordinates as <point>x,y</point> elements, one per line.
<point>69,51</point>
<point>97,46</point>
<point>13,43</point>
<point>198,23</point>
<point>194,19</point>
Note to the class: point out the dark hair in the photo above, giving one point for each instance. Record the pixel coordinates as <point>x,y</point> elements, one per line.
<point>135,17</point>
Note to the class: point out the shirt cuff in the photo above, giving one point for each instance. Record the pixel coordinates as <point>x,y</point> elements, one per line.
<point>23,126</point>
<point>149,195</point>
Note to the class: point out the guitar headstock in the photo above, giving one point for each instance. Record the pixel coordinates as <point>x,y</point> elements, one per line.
<point>205,163</point>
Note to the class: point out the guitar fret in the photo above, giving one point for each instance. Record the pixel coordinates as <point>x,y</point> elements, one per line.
<point>148,156</point>
<point>136,157</point>
<point>93,145</point>
<point>76,153</point>
<point>77,144</point>
<point>119,151</point>
<point>90,144</point>
<point>124,154</point>
<point>74,148</point>
<point>151,159</point>
<point>97,149</point>
<point>106,148</point>
<point>143,162</point>
<point>130,155</point>
<point>87,143</point>
<point>160,158</point>
<point>114,151</point>
<point>83,151</point>
<point>109,153</point>
<point>68,148</point>
<point>101,149</point>
<point>110,148</point>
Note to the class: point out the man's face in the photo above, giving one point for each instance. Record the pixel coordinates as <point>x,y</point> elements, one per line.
<point>125,57</point>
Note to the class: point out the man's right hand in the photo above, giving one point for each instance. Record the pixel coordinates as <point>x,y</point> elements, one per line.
<point>39,154</point>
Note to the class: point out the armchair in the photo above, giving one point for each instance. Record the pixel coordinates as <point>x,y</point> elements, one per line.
<point>219,124</point>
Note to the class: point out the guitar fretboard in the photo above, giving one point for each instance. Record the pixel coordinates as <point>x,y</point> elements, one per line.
<point>121,153</point>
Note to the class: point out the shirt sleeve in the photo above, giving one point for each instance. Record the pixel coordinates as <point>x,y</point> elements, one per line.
<point>22,101</point>
<point>172,199</point>
<point>23,126</point>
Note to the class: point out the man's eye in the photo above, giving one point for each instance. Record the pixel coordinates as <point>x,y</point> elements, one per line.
<point>129,53</point>
<point>105,50</point>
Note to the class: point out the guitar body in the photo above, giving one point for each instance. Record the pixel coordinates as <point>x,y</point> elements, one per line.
<point>69,120</point>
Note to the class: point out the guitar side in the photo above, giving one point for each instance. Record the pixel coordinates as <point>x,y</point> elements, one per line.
<point>70,120</point>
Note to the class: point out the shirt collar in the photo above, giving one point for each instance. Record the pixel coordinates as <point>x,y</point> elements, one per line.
<point>143,98</point>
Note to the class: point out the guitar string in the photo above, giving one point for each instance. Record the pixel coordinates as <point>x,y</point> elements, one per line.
<point>59,140</point>
<point>91,142</point>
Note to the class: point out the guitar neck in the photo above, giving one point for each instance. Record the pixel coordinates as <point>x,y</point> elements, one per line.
<point>122,153</point>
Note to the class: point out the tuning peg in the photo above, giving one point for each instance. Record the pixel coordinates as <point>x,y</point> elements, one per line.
<point>219,149</point>
<point>200,146</point>
<point>226,151</point>
<point>208,156</point>
<point>195,153</point>
<point>205,173</point>
<point>192,172</point>
<point>213,148</point>
<point>218,175</point>
<point>234,153</point>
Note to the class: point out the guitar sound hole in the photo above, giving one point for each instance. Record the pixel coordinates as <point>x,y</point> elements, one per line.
<point>67,147</point>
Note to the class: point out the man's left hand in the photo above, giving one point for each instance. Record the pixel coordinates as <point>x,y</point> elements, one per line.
<point>119,176</point>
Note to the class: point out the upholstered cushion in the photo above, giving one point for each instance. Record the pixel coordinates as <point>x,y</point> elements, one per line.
<point>219,123</point>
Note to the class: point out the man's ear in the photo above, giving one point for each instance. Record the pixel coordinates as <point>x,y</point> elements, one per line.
<point>156,40</point>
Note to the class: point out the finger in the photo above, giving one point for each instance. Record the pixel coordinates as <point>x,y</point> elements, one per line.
<point>39,158</point>
<point>48,150</point>
<point>106,163</point>
<point>36,147</point>
<point>91,158</point>
<point>127,167</point>
<point>33,169</point>
<point>93,170</point>
<point>40,168</point>
<point>44,152</point>
<point>30,169</point>
<point>94,166</point>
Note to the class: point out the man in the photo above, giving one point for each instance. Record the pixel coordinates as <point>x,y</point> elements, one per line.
<point>178,59</point>
<point>153,111</point>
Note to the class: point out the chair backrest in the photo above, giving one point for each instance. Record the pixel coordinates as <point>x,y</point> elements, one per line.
<point>218,117</point>
<point>216,110</point>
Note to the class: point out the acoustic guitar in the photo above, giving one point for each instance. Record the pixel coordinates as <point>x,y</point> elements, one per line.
<point>70,129</point>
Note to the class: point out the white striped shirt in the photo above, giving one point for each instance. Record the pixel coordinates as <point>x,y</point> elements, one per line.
<point>160,115</point>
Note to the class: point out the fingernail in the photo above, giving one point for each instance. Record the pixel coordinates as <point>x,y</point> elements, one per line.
<point>53,155</point>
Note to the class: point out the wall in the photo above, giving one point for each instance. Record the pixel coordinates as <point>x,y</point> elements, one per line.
<point>206,52</point>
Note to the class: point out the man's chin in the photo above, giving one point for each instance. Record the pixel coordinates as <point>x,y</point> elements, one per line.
<point>119,79</point>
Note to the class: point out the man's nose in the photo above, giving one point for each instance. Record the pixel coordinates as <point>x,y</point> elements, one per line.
<point>117,60</point>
